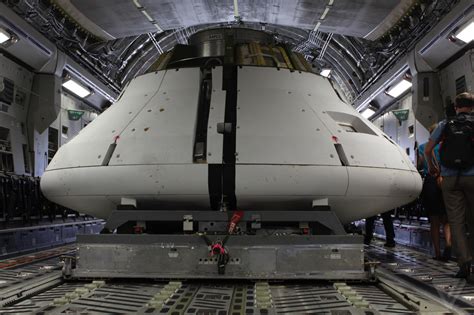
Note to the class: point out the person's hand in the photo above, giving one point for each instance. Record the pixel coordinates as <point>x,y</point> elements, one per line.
<point>439,181</point>
<point>434,171</point>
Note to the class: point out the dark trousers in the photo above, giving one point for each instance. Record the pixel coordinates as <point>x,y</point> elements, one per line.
<point>387,223</point>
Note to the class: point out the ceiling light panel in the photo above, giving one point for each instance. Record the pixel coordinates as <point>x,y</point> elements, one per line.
<point>399,88</point>
<point>4,36</point>
<point>325,72</point>
<point>367,113</point>
<point>466,32</point>
<point>76,88</point>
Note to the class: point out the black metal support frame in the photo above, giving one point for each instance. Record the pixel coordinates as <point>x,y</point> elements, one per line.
<point>322,215</point>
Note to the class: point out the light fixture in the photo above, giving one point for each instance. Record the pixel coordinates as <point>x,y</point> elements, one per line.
<point>399,88</point>
<point>466,32</point>
<point>76,88</point>
<point>4,36</point>
<point>367,113</point>
<point>325,72</point>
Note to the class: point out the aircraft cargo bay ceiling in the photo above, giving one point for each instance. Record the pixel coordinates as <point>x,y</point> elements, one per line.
<point>117,40</point>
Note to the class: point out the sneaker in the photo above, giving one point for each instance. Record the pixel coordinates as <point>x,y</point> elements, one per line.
<point>441,258</point>
<point>447,253</point>
<point>464,271</point>
<point>470,279</point>
<point>389,244</point>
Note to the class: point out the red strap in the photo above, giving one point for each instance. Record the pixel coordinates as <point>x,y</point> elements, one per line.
<point>217,248</point>
<point>234,221</point>
<point>138,229</point>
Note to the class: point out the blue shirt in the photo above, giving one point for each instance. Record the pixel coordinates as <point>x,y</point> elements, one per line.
<point>421,151</point>
<point>445,171</point>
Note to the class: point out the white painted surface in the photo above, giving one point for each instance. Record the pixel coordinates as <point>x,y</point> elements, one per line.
<point>163,183</point>
<point>90,146</point>
<point>276,126</point>
<point>288,124</point>
<point>163,131</point>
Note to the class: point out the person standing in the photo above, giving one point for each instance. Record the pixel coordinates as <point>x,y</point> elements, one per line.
<point>433,202</point>
<point>387,224</point>
<point>456,135</point>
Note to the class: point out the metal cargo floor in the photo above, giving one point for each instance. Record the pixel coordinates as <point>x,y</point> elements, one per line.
<point>410,283</point>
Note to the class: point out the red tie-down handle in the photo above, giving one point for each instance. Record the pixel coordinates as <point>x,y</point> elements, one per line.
<point>236,217</point>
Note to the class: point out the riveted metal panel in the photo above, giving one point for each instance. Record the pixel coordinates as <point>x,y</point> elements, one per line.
<point>253,257</point>
<point>163,131</point>
<point>297,180</point>
<point>159,184</point>
<point>89,147</point>
<point>384,182</point>
<point>275,125</point>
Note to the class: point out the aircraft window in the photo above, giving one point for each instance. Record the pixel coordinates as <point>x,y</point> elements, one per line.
<point>6,156</point>
<point>460,85</point>
<point>351,123</point>
<point>411,130</point>
<point>26,160</point>
<point>64,131</point>
<point>53,140</point>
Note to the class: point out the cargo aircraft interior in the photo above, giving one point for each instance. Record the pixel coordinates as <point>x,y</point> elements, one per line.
<point>231,157</point>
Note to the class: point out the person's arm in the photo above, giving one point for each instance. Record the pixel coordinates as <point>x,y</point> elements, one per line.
<point>435,138</point>
<point>432,169</point>
<point>421,160</point>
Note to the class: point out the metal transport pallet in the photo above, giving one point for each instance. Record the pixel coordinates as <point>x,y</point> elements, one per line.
<point>240,245</point>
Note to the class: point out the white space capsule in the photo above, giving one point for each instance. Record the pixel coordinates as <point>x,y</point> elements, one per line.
<point>257,134</point>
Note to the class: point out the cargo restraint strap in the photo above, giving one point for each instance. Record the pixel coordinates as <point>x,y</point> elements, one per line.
<point>217,248</point>
<point>221,179</point>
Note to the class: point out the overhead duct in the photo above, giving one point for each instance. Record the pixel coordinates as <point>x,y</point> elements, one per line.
<point>427,101</point>
<point>45,100</point>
